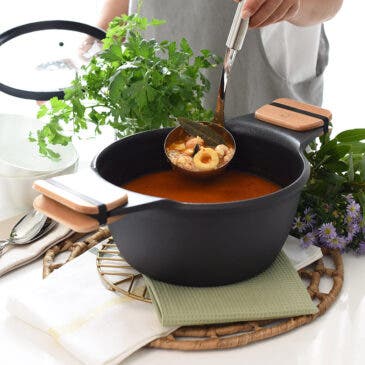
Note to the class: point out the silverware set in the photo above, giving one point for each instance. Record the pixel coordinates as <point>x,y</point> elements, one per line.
<point>28,229</point>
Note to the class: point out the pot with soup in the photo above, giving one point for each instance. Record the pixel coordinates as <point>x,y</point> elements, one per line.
<point>200,232</point>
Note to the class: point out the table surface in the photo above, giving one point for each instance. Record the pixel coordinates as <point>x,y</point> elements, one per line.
<point>337,338</point>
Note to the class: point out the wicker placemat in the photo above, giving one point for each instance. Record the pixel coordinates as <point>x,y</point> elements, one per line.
<point>118,276</point>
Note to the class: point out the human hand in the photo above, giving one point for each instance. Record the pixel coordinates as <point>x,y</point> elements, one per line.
<point>265,12</point>
<point>89,47</point>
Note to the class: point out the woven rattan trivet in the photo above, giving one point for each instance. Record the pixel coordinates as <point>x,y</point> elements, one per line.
<point>74,247</point>
<point>118,276</point>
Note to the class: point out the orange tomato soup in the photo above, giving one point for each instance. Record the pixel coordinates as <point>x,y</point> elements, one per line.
<point>231,186</point>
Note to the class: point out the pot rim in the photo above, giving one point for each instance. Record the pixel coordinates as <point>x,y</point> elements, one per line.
<point>285,191</point>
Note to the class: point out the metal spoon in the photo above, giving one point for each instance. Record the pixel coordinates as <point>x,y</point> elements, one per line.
<point>234,43</point>
<point>48,226</point>
<point>28,229</point>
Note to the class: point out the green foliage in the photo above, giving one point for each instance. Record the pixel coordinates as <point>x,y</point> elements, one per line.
<point>132,85</point>
<point>335,193</point>
<point>338,166</point>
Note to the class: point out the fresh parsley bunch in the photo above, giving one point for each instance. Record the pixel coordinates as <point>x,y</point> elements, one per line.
<point>133,85</point>
<point>331,211</point>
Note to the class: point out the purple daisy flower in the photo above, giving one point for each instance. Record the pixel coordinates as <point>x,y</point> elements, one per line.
<point>337,242</point>
<point>353,209</point>
<point>309,217</point>
<point>353,228</point>
<point>327,231</point>
<point>349,239</point>
<point>352,220</point>
<point>349,198</point>
<point>308,240</point>
<point>348,219</point>
<point>299,224</point>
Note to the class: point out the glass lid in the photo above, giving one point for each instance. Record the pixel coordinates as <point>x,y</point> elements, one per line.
<point>38,60</point>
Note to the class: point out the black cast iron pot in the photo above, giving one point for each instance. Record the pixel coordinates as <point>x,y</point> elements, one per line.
<point>208,244</point>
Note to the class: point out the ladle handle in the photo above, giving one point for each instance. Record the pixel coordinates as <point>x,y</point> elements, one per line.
<point>238,30</point>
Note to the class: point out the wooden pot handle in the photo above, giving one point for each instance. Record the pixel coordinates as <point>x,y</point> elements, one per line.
<point>76,221</point>
<point>294,115</point>
<point>84,192</point>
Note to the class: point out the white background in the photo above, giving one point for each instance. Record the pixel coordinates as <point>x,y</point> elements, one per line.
<point>344,78</point>
<point>337,337</point>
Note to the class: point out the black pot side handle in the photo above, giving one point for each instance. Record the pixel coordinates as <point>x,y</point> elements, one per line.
<point>38,26</point>
<point>303,122</point>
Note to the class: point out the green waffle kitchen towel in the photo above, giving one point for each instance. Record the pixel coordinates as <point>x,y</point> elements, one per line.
<point>276,293</point>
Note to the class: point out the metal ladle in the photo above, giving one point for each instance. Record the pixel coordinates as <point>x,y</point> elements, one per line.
<point>234,44</point>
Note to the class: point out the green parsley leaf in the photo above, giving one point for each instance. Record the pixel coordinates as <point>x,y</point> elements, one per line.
<point>132,85</point>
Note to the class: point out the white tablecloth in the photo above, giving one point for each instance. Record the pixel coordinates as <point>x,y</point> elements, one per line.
<point>337,338</point>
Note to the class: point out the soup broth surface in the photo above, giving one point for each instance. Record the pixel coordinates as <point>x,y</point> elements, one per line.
<point>231,186</point>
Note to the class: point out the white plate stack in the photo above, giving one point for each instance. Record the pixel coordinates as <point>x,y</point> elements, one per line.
<point>21,163</point>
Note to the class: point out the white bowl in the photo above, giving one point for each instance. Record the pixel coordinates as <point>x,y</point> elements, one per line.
<point>17,194</point>
<point>20,158</point>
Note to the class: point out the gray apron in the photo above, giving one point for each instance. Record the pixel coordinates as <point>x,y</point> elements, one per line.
<point>253,82</point>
